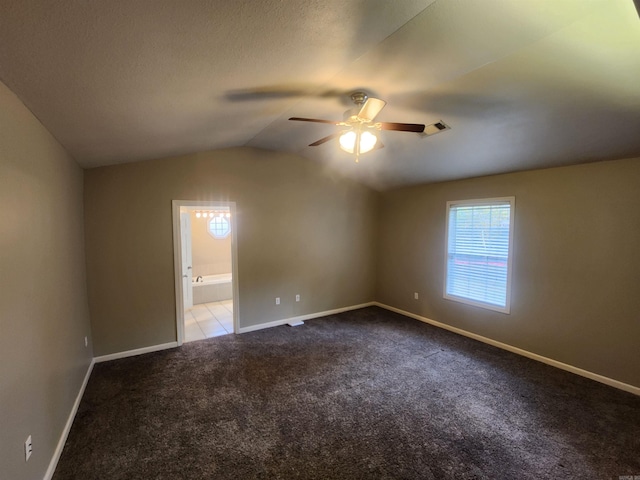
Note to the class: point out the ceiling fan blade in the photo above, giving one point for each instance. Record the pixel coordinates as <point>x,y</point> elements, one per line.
<point>316,120</point>
<point>371,109</point>
<point>325,139</point>
<point>402,127</point>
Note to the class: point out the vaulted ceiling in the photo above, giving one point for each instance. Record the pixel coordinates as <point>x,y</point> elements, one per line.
<point>522,84</point>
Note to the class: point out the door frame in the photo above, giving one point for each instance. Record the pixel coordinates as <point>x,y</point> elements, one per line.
<point>176,206</point>
<point>185,254</point>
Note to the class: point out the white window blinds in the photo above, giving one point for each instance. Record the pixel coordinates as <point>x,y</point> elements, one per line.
<point>479,234</point>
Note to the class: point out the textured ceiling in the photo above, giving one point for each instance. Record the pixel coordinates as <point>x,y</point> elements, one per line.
<point>522,84</point>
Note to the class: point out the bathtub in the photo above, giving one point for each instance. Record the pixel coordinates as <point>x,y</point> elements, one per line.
<point>212,288</point>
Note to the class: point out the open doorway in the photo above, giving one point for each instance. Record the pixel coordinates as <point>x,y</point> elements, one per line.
<point>205,265</point>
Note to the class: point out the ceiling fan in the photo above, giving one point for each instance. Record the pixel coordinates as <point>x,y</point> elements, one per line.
<point>360,136</point>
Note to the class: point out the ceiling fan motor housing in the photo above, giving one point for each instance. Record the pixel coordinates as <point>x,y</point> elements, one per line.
<point>359,98</point>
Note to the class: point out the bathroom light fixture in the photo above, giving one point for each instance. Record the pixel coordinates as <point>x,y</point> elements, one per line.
<point>213,213</point>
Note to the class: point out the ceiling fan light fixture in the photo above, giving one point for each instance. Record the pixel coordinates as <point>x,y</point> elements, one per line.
<point>359,139</point>
<point>367,141</point>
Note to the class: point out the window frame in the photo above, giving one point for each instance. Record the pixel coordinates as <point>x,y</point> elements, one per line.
<point>482,202</point>
<point>219,237</point>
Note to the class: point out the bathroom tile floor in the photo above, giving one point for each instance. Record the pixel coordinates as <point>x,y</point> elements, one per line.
<point>208,320</point>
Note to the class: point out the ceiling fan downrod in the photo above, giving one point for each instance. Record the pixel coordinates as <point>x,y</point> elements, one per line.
<point>359,98</point>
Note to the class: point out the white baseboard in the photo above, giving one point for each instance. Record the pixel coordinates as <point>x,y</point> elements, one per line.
<point>277,323</point>
<point>67,427</point>
<point>534,356</point>
<point>252,328</point>
<point>137,351</point>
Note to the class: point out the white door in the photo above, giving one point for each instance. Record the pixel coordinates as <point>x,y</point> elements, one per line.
<point>185,236</point>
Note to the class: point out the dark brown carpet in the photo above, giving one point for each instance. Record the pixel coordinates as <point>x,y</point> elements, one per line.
<point>367,394</point>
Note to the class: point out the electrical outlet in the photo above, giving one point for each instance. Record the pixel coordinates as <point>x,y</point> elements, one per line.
<point>277,300</point>
<point>415,296</point>
<point>297,297</point>
<point>28,448</point>
<point>86,342</point>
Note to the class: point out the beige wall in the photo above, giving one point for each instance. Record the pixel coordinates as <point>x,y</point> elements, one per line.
<point>210,255</point>
<point>300,230</point>
<point>576,262</point>
<point>43,308</point>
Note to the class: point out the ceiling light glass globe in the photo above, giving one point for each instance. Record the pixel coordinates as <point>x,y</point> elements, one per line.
<point>347,141</point>
<point>367,141</point>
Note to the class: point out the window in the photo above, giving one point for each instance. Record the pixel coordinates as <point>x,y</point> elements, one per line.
<point>478,259</point>
<point>219,226</point>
